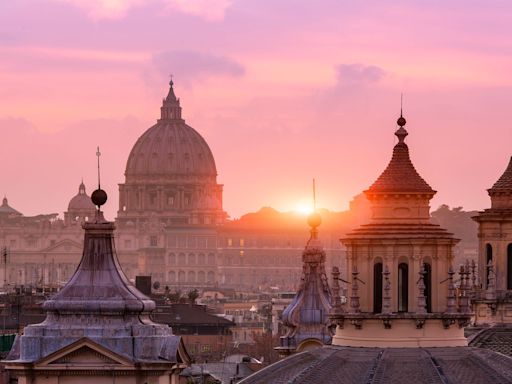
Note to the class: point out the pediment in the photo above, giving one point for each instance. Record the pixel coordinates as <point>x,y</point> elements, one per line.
<point>64,246</point>
<point>84,353</point>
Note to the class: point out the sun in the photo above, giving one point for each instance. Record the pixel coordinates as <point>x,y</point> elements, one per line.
<point>303,208</point>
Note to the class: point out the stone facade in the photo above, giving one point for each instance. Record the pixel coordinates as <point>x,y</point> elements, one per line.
<point>493,300</point>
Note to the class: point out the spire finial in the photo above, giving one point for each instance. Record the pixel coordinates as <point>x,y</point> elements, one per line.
<point>401,120</point>
<point>171,83</point>
<point>314,219</point>
<point>99,196</point>
<point>98,154</point>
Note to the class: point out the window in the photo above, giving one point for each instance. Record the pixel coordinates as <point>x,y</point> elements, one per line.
<point>153,241</point>
<point>427,280</point>
<point>403,289</point>
<point>230,242</point>
<point>377,288</point>
<point>242,242</point>
<point>206,348</point>
<point>488,254</point>
<point>127,243</point>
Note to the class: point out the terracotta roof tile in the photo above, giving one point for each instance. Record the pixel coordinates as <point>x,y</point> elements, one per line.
<point>400,175</point>
<point>504,183</point>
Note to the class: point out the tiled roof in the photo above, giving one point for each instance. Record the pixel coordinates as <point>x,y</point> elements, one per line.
<point>332,365</point>
<point>504,183</point>
<point>498,339</point>
<point>400,175</point>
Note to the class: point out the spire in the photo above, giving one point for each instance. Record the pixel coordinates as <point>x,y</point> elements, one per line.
<point>171,109</point>
<point>400,174</point>
<point>99,196</point>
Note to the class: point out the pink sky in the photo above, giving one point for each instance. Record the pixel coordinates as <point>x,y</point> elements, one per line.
<point>283,91</point>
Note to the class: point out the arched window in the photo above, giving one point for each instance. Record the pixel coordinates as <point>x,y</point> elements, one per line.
<point>427,280</point>
<point>403,287</point>
<point>377,288</point>
<point>509,266</point>
<point>488,259</point>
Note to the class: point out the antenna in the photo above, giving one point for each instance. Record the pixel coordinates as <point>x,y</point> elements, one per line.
<point>314,196</point>
<point>98,154</point>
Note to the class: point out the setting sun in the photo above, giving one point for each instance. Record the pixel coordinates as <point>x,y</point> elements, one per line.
<point>303,208</point>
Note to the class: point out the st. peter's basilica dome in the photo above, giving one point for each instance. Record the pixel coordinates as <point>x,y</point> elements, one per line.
<point>170,149</point>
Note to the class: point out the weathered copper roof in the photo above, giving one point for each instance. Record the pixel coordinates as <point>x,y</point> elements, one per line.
<point>400,174</point>
<point>504,183</point>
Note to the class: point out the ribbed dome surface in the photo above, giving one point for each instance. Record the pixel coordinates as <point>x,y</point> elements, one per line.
<point>170,148</point>
<point>504,183</point>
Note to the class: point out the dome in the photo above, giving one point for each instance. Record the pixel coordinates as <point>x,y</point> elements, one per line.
<point>81,201</point>
<point>170,148</point>
<point>6,209</point>
<point>335,364</point>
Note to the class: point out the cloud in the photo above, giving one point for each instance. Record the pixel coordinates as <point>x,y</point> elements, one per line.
<point>358,74</point>
<point>189,66</point>
<point>115,9</point>
<point>207,9</point>
<point>104,9</point>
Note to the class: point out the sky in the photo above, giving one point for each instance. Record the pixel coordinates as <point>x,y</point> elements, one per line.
<point>283,91</point>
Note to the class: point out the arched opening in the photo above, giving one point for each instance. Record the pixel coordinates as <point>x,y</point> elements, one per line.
<point>403,287</point>
<point>488,260</point>
<point>427,280</point>
<point>509,266</point>
<point>377,288</point>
